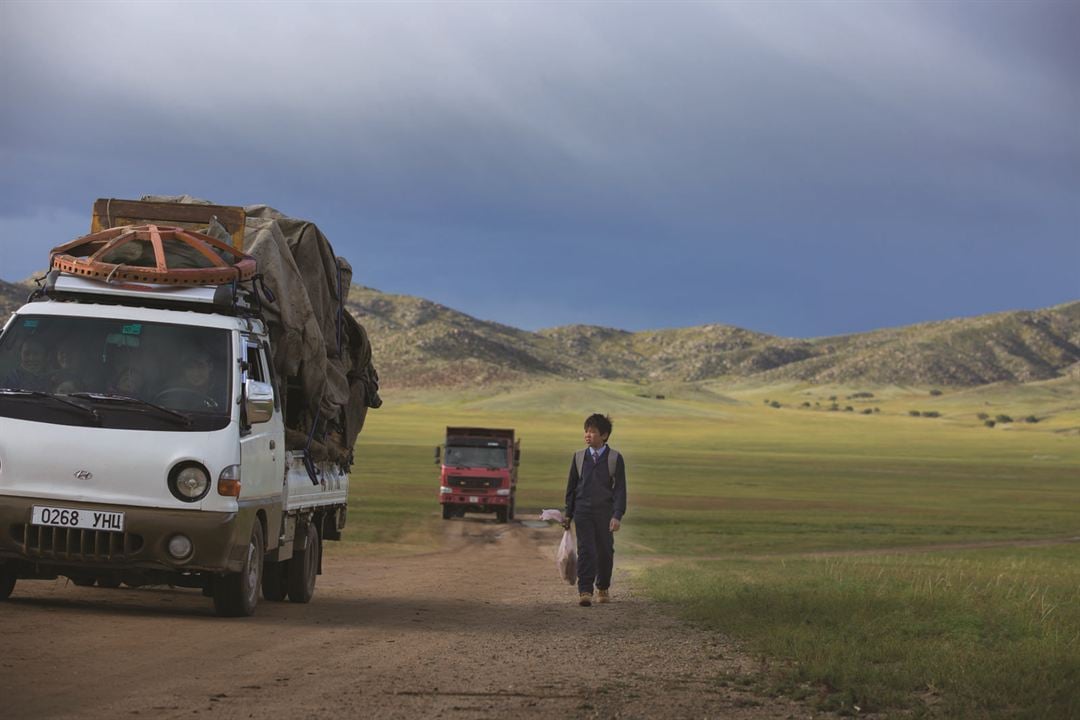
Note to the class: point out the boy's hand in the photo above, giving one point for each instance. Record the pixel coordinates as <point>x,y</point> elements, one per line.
<point>566,524</point>
<point>614,526</point>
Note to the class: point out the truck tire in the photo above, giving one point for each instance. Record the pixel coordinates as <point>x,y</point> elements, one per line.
<point>7,582</point>
<point>502,514</point>
<point>447,512</point>
<point>275,580</point>
<point>512,503</point>
<point>237,594</point>
<point>304,566</point>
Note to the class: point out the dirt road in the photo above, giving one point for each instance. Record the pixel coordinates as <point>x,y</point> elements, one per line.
<point>479,629</point>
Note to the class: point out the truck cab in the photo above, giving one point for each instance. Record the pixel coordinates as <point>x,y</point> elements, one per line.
<point>478,472</point>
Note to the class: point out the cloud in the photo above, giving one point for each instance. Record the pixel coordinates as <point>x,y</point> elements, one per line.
<point>745,136</point>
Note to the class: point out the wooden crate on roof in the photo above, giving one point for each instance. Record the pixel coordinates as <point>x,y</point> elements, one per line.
<point>112,212</point>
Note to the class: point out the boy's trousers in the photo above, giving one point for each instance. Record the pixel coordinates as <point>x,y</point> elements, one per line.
<point>595,549</point>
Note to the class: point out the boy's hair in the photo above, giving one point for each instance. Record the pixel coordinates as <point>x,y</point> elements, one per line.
<point>601,422</point>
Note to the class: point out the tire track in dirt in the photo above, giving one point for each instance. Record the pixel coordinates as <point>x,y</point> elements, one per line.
<point>481,628</point>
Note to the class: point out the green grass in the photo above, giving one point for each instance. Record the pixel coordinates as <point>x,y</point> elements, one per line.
<point>732,502</point>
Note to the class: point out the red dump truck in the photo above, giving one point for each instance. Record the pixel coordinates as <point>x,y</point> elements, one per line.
<point>478,472</point>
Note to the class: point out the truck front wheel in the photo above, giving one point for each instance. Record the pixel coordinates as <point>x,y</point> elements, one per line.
<point>7,582</point>
<point>237,594</point>
<point>447,512</point>
<point>502,514</point>
<point>304,566</point>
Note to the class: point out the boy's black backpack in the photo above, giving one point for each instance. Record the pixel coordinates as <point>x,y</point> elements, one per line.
<point>612,461</point>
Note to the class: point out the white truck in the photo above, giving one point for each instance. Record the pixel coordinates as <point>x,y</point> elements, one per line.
<point>144,439</point>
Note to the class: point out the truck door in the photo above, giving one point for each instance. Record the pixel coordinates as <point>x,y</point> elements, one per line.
<point>262,445</point>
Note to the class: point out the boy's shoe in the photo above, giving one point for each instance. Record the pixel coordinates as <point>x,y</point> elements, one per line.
<point>603,596</point>
<point>585,599</point>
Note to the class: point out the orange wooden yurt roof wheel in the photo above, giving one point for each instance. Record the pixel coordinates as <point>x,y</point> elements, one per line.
<point>153,254</point>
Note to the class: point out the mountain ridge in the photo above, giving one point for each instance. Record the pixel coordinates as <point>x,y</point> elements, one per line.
<point>421,343</point>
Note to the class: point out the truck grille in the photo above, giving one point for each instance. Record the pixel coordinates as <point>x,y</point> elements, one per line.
<point>54,543</point>
<point>465,481</point>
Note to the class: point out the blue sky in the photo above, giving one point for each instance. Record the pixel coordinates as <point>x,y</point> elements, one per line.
<point>798,168</point>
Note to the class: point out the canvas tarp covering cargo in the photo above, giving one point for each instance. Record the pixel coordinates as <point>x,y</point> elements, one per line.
<point>320,352</point>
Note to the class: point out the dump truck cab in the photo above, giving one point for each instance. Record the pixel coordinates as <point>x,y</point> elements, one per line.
<point>478,472</point>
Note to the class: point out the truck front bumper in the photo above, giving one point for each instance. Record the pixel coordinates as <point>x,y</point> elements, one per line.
<point>219,540</point>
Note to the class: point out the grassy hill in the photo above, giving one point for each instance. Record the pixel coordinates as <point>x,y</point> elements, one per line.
<point>419,343</point>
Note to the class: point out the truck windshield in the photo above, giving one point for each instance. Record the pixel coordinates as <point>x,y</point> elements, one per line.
<point>121,369</point>
<point>459,456</point>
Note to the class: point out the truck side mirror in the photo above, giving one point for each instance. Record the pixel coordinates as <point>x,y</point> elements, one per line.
<point>438,455</point>
<point>517,456</point>
<point>258,401</point>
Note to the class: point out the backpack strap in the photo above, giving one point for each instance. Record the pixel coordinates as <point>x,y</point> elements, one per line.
<point>579,460</point>
<point>612,462</point>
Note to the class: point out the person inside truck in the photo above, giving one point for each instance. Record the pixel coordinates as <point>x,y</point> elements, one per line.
<point>192,387</point>
<point>126,376</point>
<point>70,374</point>
<point>595,502</point>
<point>32,370</point>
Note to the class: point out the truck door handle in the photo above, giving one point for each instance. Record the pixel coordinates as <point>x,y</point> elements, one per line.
<point>273,444</point>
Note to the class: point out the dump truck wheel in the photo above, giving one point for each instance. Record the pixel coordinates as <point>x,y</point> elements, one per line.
<point>501,514</point>
<point>303,568</point>
<point>447,512</point>
<point>237,594</point>
<point>275,580</point>
<point>7,582</point>
<point>512,508</point>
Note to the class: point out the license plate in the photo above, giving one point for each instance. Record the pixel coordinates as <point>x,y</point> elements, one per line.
<point>474,499</point>
<point>78,518</point>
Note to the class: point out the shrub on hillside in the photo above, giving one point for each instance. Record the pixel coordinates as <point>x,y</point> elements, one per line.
<point>989,423</point>
<point>931,413</point>
<point>982,416</point>
<point>867,411</point>
<point>935,392</point>
<point>857,395</point>
<point>849,409</point>
<point>1003,419</point>
<point>774,404</point>
<point>1031,419</point>
<point>914,413</point>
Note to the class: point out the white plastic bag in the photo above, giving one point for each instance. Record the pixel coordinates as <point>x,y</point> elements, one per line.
<point>566,558</point>
<point>555,515</point>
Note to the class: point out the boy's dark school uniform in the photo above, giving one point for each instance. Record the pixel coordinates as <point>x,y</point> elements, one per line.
<point>595,495</point>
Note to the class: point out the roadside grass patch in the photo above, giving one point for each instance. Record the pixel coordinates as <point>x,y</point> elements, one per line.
<point>984,634</point>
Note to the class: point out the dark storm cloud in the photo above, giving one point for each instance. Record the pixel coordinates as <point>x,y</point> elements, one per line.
<point>803,168</point>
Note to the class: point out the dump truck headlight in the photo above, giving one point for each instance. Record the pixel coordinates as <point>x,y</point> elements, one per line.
<point>443,490</point>
<point>502,491</point>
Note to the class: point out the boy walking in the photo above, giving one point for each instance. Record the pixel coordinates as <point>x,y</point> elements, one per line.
<point>596,502</point>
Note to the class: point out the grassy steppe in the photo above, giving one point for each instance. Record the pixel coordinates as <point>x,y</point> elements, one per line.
<point>761,521</point>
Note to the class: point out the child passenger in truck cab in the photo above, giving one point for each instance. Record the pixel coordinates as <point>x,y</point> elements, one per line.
<point>31,373</point>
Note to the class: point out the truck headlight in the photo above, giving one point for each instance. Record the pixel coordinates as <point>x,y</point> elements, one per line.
<point>443,490</point>
<point>502,491</point>
<point>189,482</point>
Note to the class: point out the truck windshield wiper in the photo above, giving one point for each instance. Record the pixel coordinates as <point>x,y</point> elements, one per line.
<point>55,398</point>
<point>128,400</point>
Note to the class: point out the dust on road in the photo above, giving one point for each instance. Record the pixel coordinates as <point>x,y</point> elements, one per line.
<point>481,628</point>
